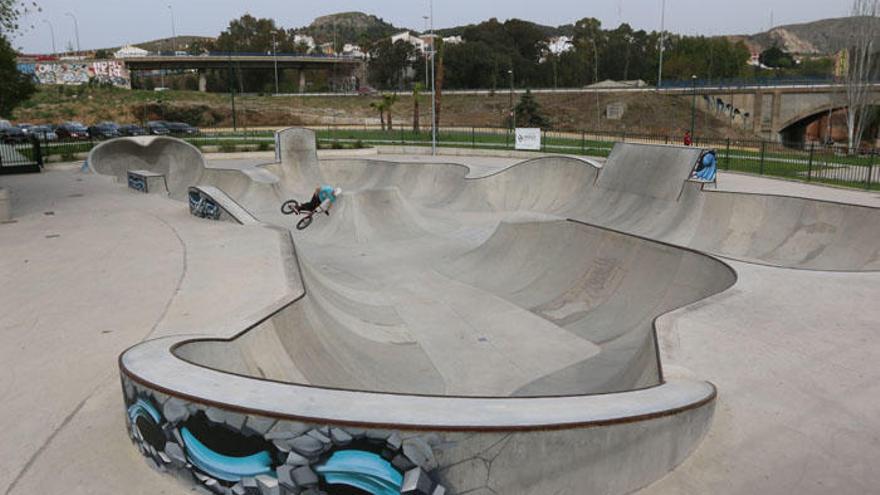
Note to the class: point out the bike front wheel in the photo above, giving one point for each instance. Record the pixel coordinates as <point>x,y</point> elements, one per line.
<point>304,223</point>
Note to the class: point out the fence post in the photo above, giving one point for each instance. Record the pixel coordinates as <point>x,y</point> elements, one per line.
<point>810,163</point>
<point>624,136</point>
<point>583,143</point>
<point>38,153</point>
<point>727,156</point>
<point>473,138</point>
<point>763,150</point>
<point>870,171</point>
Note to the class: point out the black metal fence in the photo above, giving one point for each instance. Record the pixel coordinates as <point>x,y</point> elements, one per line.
<point>836,165</point>
<point>19,158</point>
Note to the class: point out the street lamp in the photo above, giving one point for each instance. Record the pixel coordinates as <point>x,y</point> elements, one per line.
<point>75,29</point>
<point>694,105</point>
<point>596,80</point>
<point>426,55</point>
<point>510,102</point>
<point>52,32</point>
<point>662,44</point>
<point>433,83</point>
<point>173,33</point>
<point>275,59</point>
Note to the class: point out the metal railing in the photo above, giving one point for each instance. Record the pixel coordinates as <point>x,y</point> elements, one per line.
<point>810,162</point>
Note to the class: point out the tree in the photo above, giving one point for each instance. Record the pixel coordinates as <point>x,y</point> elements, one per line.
<point>528,112</point>
<point>102,54</point>
<point>379,106</point>
<point>390,63</point>
<point>388,101</point>
<point>10,13</point>
<point>862,68</point>
<point>777,58</point>
<point>15,87</point>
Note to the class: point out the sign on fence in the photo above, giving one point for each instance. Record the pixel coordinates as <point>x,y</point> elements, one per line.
<point>528,138</point>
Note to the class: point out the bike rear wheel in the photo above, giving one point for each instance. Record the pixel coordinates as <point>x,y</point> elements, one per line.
<point>289,207</point>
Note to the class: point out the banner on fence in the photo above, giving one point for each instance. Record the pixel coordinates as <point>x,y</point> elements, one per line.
<point>528,138</point>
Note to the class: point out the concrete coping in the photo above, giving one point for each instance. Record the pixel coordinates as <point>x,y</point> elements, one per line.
<point>154,365</point>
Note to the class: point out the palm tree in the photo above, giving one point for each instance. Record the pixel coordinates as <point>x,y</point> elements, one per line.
<point>379,106</point>
<point>417,93</point>
<point>388,101</point>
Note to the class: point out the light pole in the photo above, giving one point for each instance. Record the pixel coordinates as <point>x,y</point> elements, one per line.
<point>510,102</point>
<point>173,33</point>
<point>52,32</point>
<point>75,30</point>
<point>694,105</point>
<point>596,81</point>
<point>275,59</point>
<point>426,55</point>
<point>433,83</point>
<point>662,44</point>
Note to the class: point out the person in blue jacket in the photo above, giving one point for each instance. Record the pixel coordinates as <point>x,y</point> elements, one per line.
<point>707,167</point>
<point>324,197</point>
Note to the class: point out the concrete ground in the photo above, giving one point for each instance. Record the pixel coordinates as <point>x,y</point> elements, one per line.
<point>94,269</point>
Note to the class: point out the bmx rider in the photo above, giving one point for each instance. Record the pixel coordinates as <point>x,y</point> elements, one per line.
<point>324,197</point>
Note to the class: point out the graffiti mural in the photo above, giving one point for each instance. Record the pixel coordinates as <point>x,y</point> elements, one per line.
<point>232,453</point>
<point>203,206</point>
<point>75,73</point>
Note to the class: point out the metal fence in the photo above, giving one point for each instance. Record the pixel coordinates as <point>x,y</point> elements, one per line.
<point>811,162</point>
<point>18,158</point>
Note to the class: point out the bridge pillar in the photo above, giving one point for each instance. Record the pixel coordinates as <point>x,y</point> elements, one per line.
<point>302,81</point>
<point>203,81</point>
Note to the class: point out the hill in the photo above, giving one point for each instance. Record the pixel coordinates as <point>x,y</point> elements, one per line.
<point>349,27</point>
<point>824,37</point>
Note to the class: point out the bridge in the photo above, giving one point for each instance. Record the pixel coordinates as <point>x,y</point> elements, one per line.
<point>341,68</point>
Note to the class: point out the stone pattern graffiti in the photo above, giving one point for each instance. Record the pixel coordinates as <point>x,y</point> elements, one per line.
<point>202,206</point>
<point>229,453</point>
<point>76,73</point>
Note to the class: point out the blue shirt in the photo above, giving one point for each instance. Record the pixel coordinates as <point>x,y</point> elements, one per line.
<point>325,193</point>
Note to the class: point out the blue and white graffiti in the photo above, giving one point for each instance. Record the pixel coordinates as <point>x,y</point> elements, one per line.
<point>202,206</point>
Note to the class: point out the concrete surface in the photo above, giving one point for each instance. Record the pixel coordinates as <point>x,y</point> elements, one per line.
<point>792,351</point>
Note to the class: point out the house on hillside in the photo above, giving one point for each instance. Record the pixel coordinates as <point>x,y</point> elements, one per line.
<point>129,51</point>
<point>560,44</point>
<point>304,40</point>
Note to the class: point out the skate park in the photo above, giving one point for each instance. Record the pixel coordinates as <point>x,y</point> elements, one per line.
<point>554,325</point>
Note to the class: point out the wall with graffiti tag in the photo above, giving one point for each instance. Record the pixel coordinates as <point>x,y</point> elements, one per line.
<point>75,73</point>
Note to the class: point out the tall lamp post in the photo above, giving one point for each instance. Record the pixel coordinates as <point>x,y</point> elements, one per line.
<point>694,105</point>
<point>510,102</point>
<point>426,54</point>
<point>662,44</point>
<point>275,59</point>
<point>52,32</point>
<point>596,81</point>
<point>433,83</point>
<point>75,29</point>
<point>173,33</point>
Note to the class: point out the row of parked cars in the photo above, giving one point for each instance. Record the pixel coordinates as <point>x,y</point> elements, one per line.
<point>103,130</point>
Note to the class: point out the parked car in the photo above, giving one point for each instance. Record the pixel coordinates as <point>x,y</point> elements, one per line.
<point>13,134</point>
<point>104,130</point>
<point>72,130</point>
<point>25,127</point>
<point>131,130</point>
<point>157,128</point>
<point>181,129</point>
<point>43,133</point>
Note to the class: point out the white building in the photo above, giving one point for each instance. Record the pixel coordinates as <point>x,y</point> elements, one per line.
<point>350,50</point>
<point>129,51</point>
<point>419,42</point>
<point>301,39</point>
<point>452,40</point>
<point>560,44</point>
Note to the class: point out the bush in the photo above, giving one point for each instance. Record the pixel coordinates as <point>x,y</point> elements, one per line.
<point>227,147</point>
<point>263,146</point>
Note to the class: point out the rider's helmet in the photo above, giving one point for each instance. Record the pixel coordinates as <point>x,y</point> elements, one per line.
<point>337,191</point>
<point>709,158</point>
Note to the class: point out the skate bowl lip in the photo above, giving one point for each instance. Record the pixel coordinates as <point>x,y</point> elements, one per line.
<point>411,411</point>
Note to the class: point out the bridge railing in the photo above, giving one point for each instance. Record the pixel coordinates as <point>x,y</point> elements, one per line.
<point>751,82</point>
<point>248,54</point>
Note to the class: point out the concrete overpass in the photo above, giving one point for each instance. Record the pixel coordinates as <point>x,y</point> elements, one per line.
<point>344,69</point>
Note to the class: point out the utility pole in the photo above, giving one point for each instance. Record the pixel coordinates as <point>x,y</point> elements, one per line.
<point>275,59</point>
<point>510,102</point>
<point>52,32</point>
<point>694,105</point>
<point>426,54</point>
<point>433,84</point>
<point>232,92</point>
<point>596,81</point>
<point>662,43</point>
<point>173,32</point>
<point>75,30</point>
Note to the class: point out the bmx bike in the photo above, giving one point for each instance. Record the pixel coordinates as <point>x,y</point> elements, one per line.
<point>291,207</point>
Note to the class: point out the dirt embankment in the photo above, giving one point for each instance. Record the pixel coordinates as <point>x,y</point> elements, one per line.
<point>644,113</point>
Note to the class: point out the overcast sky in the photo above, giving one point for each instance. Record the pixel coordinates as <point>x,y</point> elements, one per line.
<point>104,23</point>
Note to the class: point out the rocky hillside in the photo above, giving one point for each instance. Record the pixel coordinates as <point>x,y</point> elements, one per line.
<point>824,37</point>
<point>349,27</point>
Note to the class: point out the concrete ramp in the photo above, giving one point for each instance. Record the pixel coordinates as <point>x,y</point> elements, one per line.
<point>181,163</point>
